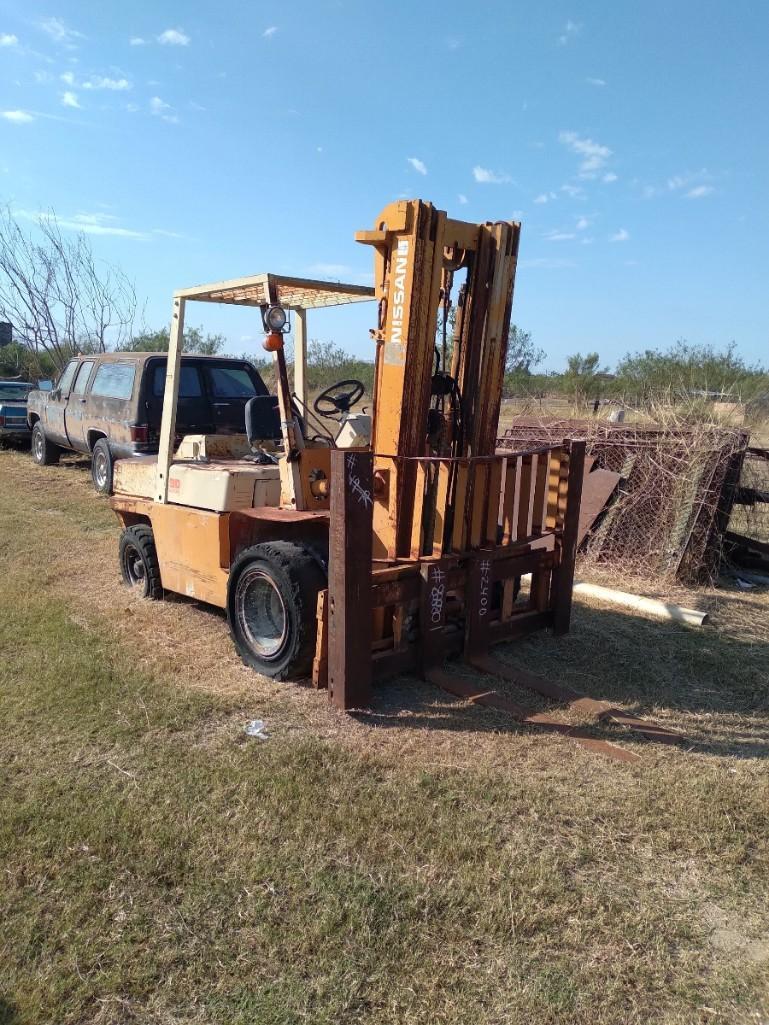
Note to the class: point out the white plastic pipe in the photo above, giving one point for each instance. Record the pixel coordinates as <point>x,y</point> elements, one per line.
<point>652,606</point>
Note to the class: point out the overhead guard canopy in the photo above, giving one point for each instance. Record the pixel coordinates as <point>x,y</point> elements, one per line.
<point>266,289</point>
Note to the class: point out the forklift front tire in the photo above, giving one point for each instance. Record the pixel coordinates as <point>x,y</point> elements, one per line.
<point>139,562</point>
<point>272,598</point>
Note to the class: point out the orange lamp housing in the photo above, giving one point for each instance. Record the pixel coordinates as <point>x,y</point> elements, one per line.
<point>273,342</point>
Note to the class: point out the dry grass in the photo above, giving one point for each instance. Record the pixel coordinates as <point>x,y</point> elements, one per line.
<point>425,862</point>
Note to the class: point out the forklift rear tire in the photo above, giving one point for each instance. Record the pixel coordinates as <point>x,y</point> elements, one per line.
<point>139,562</point>
<point>272,598</point>
<point>44,452</point>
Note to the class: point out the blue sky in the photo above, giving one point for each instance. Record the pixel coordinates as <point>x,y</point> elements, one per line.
<point>197,141</point>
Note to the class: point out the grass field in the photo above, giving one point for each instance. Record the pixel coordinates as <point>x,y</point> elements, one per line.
<point>427,862</point>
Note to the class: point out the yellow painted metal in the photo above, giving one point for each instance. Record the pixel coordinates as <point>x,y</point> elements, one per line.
<point>193,551</point>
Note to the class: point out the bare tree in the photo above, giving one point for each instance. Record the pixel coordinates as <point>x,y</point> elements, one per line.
<point>59,300</point>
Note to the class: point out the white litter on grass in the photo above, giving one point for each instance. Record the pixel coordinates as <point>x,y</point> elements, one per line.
<point>256,728</point>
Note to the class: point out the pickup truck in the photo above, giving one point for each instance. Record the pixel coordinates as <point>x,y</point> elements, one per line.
<point>109,406</point>
<point>13,410</point>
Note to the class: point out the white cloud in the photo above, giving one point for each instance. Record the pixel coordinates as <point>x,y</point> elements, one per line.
<point>486,177</point>
<point>174,37</point>
<point>620,236</point>
<point>545,197</point>
<point>573,191</point>
<point>609,177</point>
<point>699,191</point>
<point>113,84</point>
<point>159,108</point>
<point>98,224</point>
<point>59,32</point>
<point>570,30</point>
<point>417,164</point>
<point>18,117</point>
<point>462,199</point>
<point>8,39</point>
<point>696,184</point>
<point>42,77</point>
<point>67,78</point>
<point>89,223</point>
<point>269,32</point>
<point>559,236</point>
<point>594,155</point>
<point>137,41</point>
<point>69,99</point>
<point>596,81</point>
<point>582,223</point>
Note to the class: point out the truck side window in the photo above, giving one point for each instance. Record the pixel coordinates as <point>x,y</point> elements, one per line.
<point>65,380</point>
<point>114,380</point>
<point>78,388</point>
<point>189,382</point>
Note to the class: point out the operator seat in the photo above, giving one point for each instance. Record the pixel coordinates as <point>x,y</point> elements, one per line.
<point>262,419</point>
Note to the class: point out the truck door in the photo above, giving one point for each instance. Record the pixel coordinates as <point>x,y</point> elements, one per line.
<point>75,411</point>
<point>56,404</point>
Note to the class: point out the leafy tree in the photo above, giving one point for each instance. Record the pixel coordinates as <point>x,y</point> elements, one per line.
<point>522,353</point>
<point>582,376</point>
<point>195,342</point>
<point>685,369</point>
<point>328,363</point>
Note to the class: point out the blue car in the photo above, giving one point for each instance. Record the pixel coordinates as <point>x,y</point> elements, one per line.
<point>13,410</point>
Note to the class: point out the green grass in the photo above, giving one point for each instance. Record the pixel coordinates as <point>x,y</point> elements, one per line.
<point>158,866</point>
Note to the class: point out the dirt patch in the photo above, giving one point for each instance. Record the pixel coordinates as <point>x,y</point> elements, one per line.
<point>728,933</point>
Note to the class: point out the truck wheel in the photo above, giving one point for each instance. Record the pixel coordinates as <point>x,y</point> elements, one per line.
<point>139,562</point>
<point>44,452</point>
<point>102,467</point>
<point>272,598</point>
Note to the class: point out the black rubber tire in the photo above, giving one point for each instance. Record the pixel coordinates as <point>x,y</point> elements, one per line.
<point>139,565</point>
<point>44,452</point>
<point>297,576</point>
<point>102,467</point>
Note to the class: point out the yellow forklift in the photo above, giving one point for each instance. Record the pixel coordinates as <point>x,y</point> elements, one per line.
<point>351,547</point>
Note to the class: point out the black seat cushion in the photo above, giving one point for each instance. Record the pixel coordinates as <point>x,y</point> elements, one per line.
<point>262,419</point>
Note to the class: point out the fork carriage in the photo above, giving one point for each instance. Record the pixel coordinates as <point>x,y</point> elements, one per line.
<point>476,527</point>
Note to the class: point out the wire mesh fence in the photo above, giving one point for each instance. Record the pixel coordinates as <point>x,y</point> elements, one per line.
<point>674,498</point>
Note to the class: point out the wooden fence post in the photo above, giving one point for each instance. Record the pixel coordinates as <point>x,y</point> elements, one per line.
<point>563,575</point>
<point>349,579</point>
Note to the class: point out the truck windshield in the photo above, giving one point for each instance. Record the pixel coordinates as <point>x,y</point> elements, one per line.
<point>10,390</point>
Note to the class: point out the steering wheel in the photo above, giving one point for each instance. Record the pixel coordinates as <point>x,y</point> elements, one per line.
<point>339,398</point>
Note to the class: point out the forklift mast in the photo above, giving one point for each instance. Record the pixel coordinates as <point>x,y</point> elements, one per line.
<point>440,359</point>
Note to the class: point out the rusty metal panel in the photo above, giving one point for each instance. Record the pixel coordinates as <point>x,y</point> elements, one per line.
<point>542,466</point>
<point>523,525</point>
<point>509,500</point>
<point>597,488</point>
<point>349,585</point>
<point>433,612</point>
<point>563,575</point>
<point>478,596</point>
<point>320,662</point>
